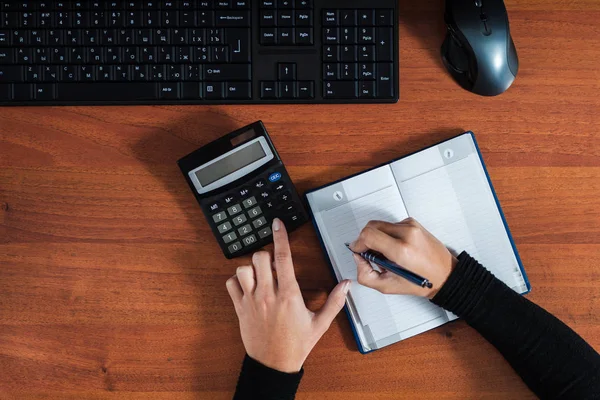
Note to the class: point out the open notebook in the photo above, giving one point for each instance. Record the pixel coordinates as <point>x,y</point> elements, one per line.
<point>446,188</point>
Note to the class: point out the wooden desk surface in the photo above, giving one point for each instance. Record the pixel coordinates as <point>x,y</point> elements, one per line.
<point>112,285</point>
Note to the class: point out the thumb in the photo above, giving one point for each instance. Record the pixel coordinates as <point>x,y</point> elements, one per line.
<point>335,302</point>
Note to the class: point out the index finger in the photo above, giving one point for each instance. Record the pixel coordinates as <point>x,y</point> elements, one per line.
<point>283,256</point>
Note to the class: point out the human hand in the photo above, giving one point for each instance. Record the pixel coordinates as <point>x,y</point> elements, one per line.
<point>277,329</point>
<point>409,245</point>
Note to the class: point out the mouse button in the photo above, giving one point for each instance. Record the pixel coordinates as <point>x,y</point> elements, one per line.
<point>513,58</point>
<point>456,55</point>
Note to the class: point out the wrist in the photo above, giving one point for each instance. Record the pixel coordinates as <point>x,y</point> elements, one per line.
<point>447,269</point>
<point>281,364</point>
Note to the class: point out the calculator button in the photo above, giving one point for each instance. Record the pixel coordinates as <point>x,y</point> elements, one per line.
<point>230,237</point>
<point>224,227</point>
<point>279,187</point>
<point>291,219</point>
<point>249,202</point>
<point>244,230</point>
<point>219,217</point>
<point>257,223</point>
<point>234,209</point>
<point>237,246</point>
<point>255,212</point>
<point>275,176</point>
<point>244,192</point>
<point>263,233</point>
<point>285,197</point>
<point>249,240</point>
<point>240,219</point>
<point>214,206</point>
<point>260,184</point>
<point>269,205</point>
<point>265,194</point>
<point>229,199</point>
<point>289,208</point>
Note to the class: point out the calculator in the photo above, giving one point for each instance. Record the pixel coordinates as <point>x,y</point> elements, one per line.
<point>241,184</point>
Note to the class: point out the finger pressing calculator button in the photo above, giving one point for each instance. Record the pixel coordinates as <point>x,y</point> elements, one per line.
<point>257,223</point>
<point>263,233</point>
<point>249,202</point>
<point>219,217</point>
<point>244,230</point>
<point>260,184</point>
<point>255,212</point>
<point>249,240</point>
<point>234,209</point>
<point>230,237</point>
<point>224,227</point>
<point>240,219</point>
<point>237,246</point>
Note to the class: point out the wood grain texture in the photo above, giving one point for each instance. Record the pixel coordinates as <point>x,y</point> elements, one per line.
<point>112,286</point>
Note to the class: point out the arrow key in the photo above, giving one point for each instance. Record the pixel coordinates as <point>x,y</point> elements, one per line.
<point>287,90</point>
<point>287,72</point>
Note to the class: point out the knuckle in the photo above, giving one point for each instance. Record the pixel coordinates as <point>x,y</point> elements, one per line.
<point>260,256</point>
<point>244,269</point>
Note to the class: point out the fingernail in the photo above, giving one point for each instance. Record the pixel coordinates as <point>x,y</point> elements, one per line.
<point>346,287</point>
<point>276,224</point>
<point>352,244</point>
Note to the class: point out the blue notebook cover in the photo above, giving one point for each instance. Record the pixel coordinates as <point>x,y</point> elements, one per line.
<point>518,258</point>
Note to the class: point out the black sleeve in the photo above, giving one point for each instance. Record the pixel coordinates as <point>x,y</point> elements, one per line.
<point>552,360</point>
<point>261,382</point>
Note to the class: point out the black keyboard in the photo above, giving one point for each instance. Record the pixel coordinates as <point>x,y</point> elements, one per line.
<point>198,52</point>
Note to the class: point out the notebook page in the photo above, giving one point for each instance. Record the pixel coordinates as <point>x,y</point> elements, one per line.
<point>372,196</point>
<point>454,202</point>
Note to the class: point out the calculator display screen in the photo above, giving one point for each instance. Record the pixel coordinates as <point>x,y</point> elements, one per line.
<point>230,164</point>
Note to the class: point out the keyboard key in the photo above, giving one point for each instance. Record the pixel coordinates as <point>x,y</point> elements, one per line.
<point>244,230</point>
<point>238,90</point>
<point>366,35</point>
<point>237,246</point>
<point>232,18</point>
<point>303,18</point>
<point>285,3</point>
<point>331,71</point>
<point>339,90</point>
<point>331,53</point>
<point>286,90</point>
<point>331,35</point>
<point>366,71</point>
<point>10,74</point>
<point>385,79</point>
<point>191,91</point>
<point>384,51</point>
<point>268,90</point>
<point>257,223</point>
<point>366,53</point>
<point>168,91</point>
<point>348,53</point>
<point>230,237</point>
<point>330,17</point>
<point>224,227</point>
<point>234,209</point>
<point>227,72</point>
<point>249,240</point>
<point>285,36</point>
<point>239,43</point>
<point>348,72</point>
<point>306,90</point>
<point>384,17</point>
<point>130,91</point>
<point>268,18</point>
<point>240,219</point>
<point>5,92</point>
<point>287,71</point>
<point>268,36</point>
<point>304,36</point>
<point>348,36</point>
<point>285,18</point>
<point>268,4</point>
<point>366,89</point>
<point>23,92</point>
<point>214,90</point>
<point>303,4</point>
<point>366,17</point>
<point>348,18</point>
<point>263,233</point>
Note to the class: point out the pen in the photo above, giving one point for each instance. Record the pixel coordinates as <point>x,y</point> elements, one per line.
<point>393,267</point>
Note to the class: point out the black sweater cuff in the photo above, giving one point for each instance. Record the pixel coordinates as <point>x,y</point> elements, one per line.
<point>258,381</point>
<point>465,287</point>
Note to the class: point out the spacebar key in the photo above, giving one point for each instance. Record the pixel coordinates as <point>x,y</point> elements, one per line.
<point>132,91</point>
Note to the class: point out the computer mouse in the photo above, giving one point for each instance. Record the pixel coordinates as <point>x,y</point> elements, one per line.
<point>478,50</point>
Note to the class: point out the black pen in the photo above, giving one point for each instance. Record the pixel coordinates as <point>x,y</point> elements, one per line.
<point>391,266</point>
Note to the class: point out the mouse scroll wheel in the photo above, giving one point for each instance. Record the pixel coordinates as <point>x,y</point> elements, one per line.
<point>478,3</point>
<point>483,17</point>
